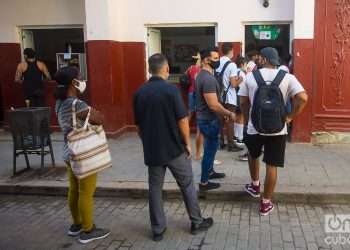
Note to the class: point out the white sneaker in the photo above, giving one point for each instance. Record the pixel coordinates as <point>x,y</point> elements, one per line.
<point>217,162</point>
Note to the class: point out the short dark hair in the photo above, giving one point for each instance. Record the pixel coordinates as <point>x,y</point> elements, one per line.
<point>207,52</point>
<point>29,52</point>
<point>64,77</point>
<point>252,53</point>
<point>240,60</point>
<point>156,63</point>
<point>226,48</point>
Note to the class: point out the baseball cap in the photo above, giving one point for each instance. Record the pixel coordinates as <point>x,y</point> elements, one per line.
<point>271,55</point>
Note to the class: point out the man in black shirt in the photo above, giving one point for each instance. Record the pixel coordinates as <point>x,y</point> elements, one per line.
<point>162,121</point>
<point>31,74</point>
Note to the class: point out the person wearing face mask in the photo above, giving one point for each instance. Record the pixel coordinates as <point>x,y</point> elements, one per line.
<point>81,192</point>
<point>163,126</point>
<point>209,113</point>
<point>30,74</point>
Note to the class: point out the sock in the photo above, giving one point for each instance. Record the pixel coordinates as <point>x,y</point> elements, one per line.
<point>266,200</point>
<point>256,183</point>
<point>239,131</point>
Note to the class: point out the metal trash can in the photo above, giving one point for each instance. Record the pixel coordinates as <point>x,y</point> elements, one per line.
<point>30,129</point>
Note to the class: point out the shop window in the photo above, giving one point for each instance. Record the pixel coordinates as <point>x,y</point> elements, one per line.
<point>179,44</point>
<point>57,47</point>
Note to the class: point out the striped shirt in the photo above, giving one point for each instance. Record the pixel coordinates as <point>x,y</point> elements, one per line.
<point>64,113</point>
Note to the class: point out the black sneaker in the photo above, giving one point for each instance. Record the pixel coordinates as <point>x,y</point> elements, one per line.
<point>239,143</point>
<point>75,230</point>
<point>202,227</point>
<point>234,148</point>
<point>94,234</point>
<point>215,175</point>
<point>243,157</point>
<point>222,146</point>
<point>209,186</point>
<point>158,237</point>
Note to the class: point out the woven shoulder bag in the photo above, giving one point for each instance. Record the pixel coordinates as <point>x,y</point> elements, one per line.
<point>88,147</point>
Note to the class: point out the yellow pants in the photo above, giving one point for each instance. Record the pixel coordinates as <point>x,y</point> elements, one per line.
<point>81,199</point>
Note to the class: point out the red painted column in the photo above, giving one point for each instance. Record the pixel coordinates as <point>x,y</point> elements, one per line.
<point>134,55</point>
<point>106,90</point>
<point>11,94</point>
<point>303,54</point>
<point>115,71</point>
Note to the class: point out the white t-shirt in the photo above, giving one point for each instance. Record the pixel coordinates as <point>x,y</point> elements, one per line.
<point>242,74</point>
<point>251,66</point>
<point>230,71</point>
<point>284,67</point>
<point>289,86</point>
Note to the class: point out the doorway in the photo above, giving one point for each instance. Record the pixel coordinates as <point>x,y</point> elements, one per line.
<point>179,44</point>
<point>277,36</point>
<point>56,47</point>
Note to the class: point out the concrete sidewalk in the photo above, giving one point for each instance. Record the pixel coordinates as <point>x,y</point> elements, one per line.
<point>312,173</point>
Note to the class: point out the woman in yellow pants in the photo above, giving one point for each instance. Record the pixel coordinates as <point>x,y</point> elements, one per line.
<point>81,192</point>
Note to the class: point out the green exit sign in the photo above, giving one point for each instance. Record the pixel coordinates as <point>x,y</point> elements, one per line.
<point>266,32</point>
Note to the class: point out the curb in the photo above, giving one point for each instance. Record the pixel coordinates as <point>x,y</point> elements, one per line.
<point>226,193</point>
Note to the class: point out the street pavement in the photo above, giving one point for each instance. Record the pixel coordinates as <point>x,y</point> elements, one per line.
<point>41,223</point>
<point>309,169</point>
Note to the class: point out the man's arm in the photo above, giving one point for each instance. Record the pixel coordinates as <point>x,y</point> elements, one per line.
<point>19,74</point>
<point>184,127</point>
<point>45,71</point>
<point>96,117</point>
<point>214,104</point>
<point>235,81</point>
<point>245,107</point>
<point>299,103</point>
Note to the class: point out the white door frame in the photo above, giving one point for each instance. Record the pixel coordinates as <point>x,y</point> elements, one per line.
<point>44,27</point>
<point>175,25</point>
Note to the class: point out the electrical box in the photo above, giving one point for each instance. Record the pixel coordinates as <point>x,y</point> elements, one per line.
<point>72,59</point>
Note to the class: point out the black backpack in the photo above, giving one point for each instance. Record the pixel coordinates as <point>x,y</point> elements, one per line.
<point>220,78</point>
<point>269,110</point>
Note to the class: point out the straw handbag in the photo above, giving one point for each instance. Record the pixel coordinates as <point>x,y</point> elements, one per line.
<point>88,147</point>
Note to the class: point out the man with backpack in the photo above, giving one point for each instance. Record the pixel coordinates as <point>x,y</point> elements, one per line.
<point>263,98</point>
<point>228,81</point>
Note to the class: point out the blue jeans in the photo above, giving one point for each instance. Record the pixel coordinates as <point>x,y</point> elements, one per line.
<point>210,131</point>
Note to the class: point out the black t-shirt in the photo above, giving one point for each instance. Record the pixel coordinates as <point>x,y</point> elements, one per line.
<point>158,106</point>
<point>205,83</point>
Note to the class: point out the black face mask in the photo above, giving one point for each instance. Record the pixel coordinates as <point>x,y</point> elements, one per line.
<point>214,64</point>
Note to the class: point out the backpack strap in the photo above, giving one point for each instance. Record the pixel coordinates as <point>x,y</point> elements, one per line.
<point>279,77</point>
<point>258,78</point>
<point>224,68</point>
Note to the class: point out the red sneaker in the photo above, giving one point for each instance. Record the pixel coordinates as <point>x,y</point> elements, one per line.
<point>266,208</point>
<point>252,190</point>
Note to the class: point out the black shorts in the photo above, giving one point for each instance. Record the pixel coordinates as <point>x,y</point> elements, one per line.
<point>274,148</point>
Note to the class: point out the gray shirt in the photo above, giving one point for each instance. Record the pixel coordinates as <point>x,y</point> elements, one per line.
<point>205,83</point>
<point>64,115</point>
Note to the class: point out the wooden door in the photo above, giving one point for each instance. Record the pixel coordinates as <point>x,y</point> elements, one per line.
<point>331,95</point>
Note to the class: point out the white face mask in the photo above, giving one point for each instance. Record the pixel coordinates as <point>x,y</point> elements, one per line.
<point>81,87</point>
